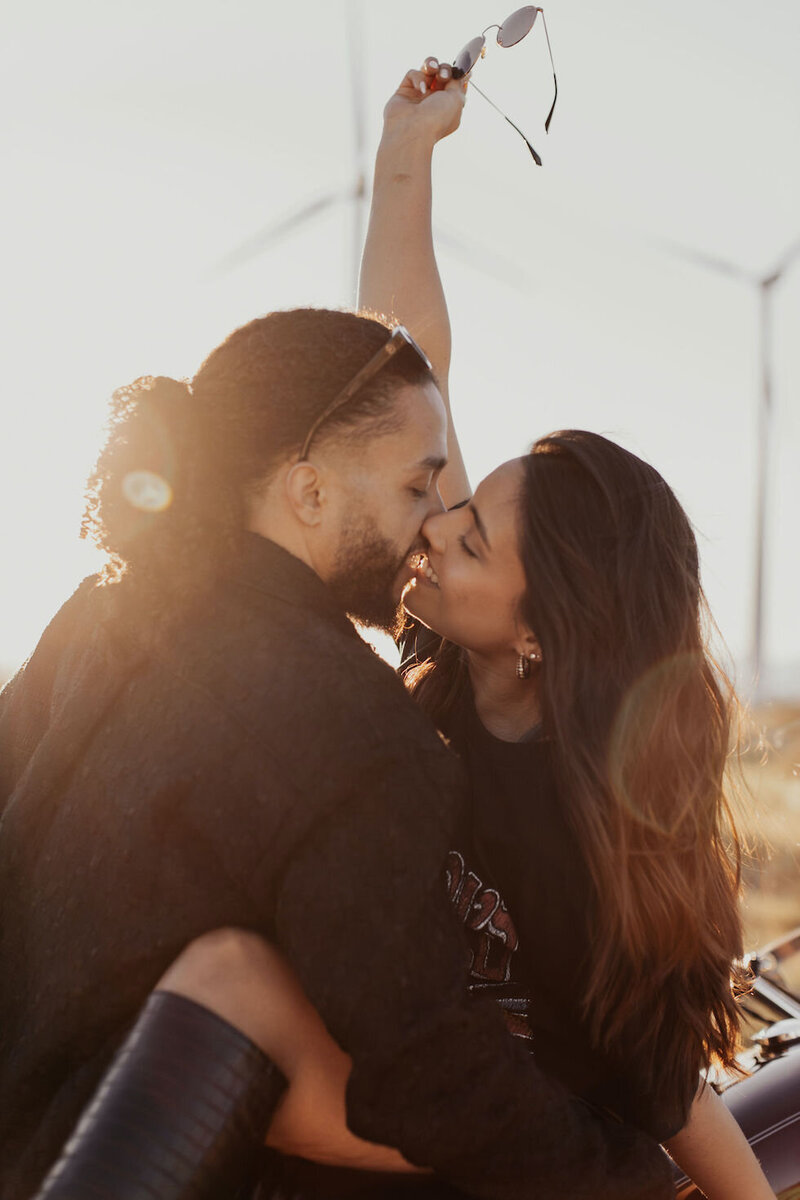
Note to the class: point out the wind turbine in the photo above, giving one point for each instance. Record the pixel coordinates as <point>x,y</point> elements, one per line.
<point>355,194</point>
<point>764,284</point>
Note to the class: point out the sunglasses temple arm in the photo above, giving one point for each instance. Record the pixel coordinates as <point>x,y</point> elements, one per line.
<point>534,155</point>
<point>555,81</point>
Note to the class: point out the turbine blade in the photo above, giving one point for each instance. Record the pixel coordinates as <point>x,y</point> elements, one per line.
<point>258,243</point>
<point>787,258</point>
<point>698,258</point>
<point>484,260</point>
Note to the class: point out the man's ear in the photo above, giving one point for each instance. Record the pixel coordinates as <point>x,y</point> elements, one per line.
<point>305,492</point>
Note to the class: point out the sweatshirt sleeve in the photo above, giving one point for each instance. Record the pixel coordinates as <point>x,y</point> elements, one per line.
<point>363,916</point>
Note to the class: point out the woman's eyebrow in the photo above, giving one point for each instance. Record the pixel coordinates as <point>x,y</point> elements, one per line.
<point>479,525</point>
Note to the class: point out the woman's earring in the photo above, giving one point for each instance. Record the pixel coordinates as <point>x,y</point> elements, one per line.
<point>524,663</point>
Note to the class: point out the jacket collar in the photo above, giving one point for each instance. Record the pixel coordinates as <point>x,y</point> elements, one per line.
<point>263,566</point>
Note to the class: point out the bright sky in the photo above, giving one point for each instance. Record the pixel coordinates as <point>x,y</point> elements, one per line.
<point>143,143</point>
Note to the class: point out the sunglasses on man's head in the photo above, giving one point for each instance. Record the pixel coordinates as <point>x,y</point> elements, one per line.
<point>398,338</point>
<point>512,31</point>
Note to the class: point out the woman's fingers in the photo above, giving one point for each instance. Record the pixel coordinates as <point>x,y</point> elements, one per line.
<point>437,75</point>
<point>416,81</point>
<point>439,118</point>
<point>433,76</point>
<point>442,78</point>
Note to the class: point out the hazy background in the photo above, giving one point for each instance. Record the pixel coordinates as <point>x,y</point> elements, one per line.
<point>142,144</point>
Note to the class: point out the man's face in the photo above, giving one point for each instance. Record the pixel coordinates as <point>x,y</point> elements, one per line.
<point>382,490</point>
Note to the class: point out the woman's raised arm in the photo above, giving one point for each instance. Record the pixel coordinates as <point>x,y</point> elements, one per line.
<point>399,276</point>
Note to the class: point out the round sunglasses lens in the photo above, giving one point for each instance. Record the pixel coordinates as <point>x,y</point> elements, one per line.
<point>515,27</point>
<point>466,59</point>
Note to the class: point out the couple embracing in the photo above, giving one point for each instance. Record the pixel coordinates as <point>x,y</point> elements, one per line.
<point>251,896</point>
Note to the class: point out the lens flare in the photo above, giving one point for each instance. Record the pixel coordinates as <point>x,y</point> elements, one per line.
<point>147,491</point>
<point>648,715</point>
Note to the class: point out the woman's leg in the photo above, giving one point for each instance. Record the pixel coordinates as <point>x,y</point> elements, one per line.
<point>185,1107</point>
<point>245,981</point>
<point>182,1112</point>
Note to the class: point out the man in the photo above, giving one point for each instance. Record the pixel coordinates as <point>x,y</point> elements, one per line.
<point>206,742</point>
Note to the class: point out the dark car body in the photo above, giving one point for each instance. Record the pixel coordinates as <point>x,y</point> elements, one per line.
<point>766,1102</point>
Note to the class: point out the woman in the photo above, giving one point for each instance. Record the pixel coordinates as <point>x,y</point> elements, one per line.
<point>574,681</point>
<point>576,570</point>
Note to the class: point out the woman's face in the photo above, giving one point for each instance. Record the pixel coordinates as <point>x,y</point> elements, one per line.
<point>469,586</point>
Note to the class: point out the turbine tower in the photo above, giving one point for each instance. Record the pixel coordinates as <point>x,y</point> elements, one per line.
<point>764,286</point>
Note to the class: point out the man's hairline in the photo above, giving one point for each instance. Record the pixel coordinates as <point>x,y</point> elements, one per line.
<point>386,422</point>
<point>345,436</point>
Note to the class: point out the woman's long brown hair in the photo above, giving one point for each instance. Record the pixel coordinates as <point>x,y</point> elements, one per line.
<point>640,717</point>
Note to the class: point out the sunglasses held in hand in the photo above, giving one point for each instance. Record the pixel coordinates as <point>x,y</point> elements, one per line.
<point>512,31</point>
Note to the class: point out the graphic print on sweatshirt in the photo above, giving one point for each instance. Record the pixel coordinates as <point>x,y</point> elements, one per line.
<point>492,940</point>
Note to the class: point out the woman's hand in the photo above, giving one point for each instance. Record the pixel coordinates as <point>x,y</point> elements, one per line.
<point>428,104</point>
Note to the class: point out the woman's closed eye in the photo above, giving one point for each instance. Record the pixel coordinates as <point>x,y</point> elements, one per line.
<point>463,543</point>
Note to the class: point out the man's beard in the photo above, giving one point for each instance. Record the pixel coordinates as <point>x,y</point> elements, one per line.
<point>364,577</point>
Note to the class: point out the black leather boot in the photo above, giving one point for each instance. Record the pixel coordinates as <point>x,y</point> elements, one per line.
<point>182,1111</point>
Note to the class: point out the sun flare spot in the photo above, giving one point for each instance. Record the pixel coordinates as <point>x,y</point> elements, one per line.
<point>147,491</point>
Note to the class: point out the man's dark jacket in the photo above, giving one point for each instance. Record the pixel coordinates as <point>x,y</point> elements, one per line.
<point>258,766</point>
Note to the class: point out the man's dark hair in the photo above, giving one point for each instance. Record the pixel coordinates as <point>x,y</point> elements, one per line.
<point>205,445</point>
